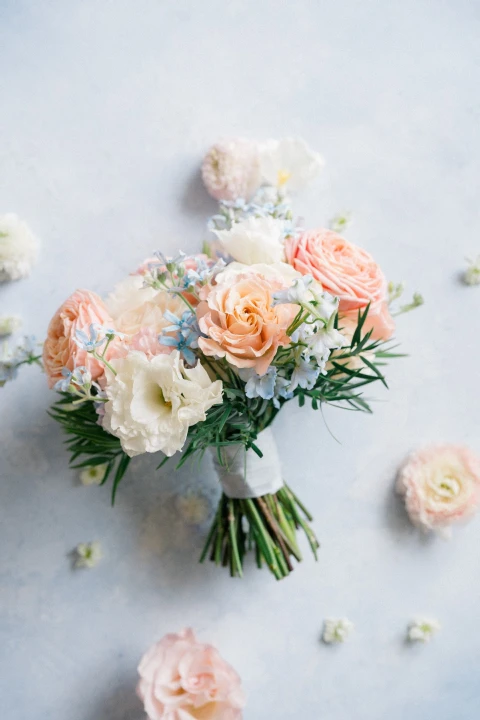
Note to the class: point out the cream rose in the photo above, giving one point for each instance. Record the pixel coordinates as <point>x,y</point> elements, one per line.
<point>441,485</point>
<point>254,240</point>
<point>152,401</point>
<point>182,679</point>
<point>138,311</point>
<point>242,324</point>
<point>346,271</point>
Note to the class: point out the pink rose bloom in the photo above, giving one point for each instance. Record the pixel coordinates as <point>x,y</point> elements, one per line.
<point>60,349</point>
<point>441,485</point>
<point>346,271</point>
<point>241,323</point>
<point>182,679</point>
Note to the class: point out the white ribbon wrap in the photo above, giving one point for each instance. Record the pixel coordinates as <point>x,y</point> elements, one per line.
<point>244,474</point>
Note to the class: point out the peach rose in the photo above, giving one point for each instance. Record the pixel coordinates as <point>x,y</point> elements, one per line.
<point>346,271</point>
<point>60,349</point>
<point>240,322</point>
<point>182,679</point>
<point>441,485</point>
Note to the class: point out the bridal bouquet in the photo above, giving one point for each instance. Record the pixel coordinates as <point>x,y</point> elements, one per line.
<point>200,352</point>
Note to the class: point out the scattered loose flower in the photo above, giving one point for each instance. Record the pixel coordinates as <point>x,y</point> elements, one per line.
<point>88,554</point>
<point>339,223</point>
<point>194,508</point>
<point>231,169</point>
<point>441,486</point>
<point>18,248</point>
<point>336,630</point>
<point>472,273</point>
<point>185,679</point>
<point>9,324</point>
<point>289,164</point>
<point>422,630</point>
<point>93,474</point>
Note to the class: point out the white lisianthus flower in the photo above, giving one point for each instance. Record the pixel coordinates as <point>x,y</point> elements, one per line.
<point>254,240</point>
<point>153,401</point>
<point>9,324</point>
<point>336,630</point>
<point>422,629</point>
<point>18,248</point>
<point>289,164</point>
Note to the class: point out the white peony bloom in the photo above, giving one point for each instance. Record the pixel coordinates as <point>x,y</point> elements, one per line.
<point>254,240</point>
<point>9,324</point>
<point>88,554</point>
<point>153,401</point>
<point>289,164</point>
<point>336,630</point>
<point>18,248</point>
<point>422,630</point>
<point>279,271</point>
<point>93,474</point>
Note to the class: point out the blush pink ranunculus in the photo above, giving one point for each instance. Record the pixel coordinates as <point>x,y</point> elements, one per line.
<point>182,679</point>
<point>60,350</point>
<point>241,323</point>
<point>346,271</point>
<point>441,485</point>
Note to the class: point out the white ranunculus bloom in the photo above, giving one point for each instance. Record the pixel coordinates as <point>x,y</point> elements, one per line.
<point>280,271</point>
<point>289,163</point>
<point>254,240</point>
<point>18,248</point>
<point>153,401</point>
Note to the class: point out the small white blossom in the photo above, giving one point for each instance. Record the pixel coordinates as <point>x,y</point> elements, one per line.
<point>18,248</point>
<point>472,273</point>
<point>336,630</point>
<point>422,629</point>
<point>289,164</point>
<point>88,554</point>
<point>323,341</point>
<point>340,222</point>
<point>299,293</point>
<point>193,507</point>
<point>93,474</point>
<point>9,324</point>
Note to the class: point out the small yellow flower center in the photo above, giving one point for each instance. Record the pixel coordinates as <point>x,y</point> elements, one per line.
<point>282,177</point>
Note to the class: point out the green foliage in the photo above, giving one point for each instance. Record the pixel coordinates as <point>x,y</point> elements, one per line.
<point>88,441</point>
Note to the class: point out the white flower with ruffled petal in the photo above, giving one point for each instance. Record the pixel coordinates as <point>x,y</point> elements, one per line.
<point>289,164</point>
<point>254,240</point>
<point>18,248</point>
<point>153,401</point>
<point>336,630</point>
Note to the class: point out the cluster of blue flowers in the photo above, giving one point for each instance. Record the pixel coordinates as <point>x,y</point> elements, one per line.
<point>263,204</point>
<point>186,333</point>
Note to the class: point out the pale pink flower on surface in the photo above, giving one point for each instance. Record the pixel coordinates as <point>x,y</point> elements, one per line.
<point>60,350</point>
<point>346,271</point>
<point>182,679</point>
<point>441,486</point>
<point>240,322</point>
<point>231,169</point>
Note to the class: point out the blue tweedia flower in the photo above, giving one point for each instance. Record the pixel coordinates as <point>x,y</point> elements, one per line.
<point>259,385</point>
<point>89,342</point>
<point>80,376</point>
<point>24,354</point>
<point>282,390</point>
<point>304,375</point>
<point>186,335</point>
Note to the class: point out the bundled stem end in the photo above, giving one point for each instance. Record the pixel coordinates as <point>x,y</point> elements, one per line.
<point>267,525</point>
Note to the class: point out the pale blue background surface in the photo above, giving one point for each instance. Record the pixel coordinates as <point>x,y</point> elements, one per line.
<point>105,111</point>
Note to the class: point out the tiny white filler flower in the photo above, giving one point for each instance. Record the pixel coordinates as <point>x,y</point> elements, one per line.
<point>336,630</point>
